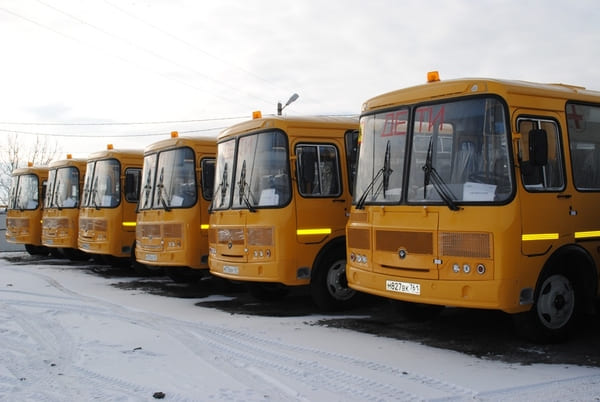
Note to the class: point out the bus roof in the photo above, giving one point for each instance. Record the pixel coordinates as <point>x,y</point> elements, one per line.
<point>37,170</point>
<point>470,86</point>
<point>116,153</point>
<point>77,162</point>
<point>286,122</point>
<point>203,144</point>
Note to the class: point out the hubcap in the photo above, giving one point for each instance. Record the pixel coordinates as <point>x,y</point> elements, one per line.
<point>556,302</point>
<point>337,284</point>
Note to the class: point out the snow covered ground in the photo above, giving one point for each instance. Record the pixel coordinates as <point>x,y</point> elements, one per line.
<point>69,336</point>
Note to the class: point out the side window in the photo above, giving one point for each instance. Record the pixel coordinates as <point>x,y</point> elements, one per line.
<point>351,140</point>
<point>208,178</point>
<point>584,141</point>
<point>133,179</point>
<point>318,170</point>
<point>540,155</point>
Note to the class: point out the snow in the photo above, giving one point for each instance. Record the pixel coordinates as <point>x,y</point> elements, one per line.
<point>66,335</point>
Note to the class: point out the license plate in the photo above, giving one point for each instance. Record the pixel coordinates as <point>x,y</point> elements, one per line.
<point>151,257</point>
<point>49,241</point>
<point>231,269</point>
<point>403,287</point>
<point>85,246</point>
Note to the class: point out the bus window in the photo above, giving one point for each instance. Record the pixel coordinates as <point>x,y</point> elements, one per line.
<point>106,188</point>
<point>584,137</point>
<point>223,170</point>
<point>208,178</point>
<point>318,172</point>
<point>549,175</point>
<point>261,176</point>
<point>148,172</point>
<point>133,178</point>
<point>176,179</point>
<point>351,140</point>
<point>24,194</point>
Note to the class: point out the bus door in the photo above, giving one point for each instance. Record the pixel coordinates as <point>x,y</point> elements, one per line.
<point>322,206</point>
<point>546,208</point>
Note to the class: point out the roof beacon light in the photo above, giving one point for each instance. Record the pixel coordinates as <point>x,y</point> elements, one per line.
<point>433,76</point>
<point>109,146</point>
<point>69,156</point>
<point>174,134</point>
<point>257,114</point>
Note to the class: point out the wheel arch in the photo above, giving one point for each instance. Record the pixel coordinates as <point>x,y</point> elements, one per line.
<point>577,264</point>
<point>331,246</point>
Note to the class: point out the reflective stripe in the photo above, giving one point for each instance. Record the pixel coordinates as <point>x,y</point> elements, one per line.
<point>313,231</point>
<point>128,224</point>
<point>539,236</point>
<point>204,226</point>
<point>591,233</point>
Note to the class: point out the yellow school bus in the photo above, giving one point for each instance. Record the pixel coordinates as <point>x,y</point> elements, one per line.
<point>107,216</point>
<point>281,200</point>
<point>172,219</point>
<point>481,193</point>
<point>25,206</point>
<point>60,220</point>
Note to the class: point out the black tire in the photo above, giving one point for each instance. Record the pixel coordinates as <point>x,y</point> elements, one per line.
<point>417,312</point>
<point>36,250</point>
<point>184,274</point>
<point>146,270</point>
<point>74,254</point>
<point>554,311</point>
<point>267,291</point>
<point>329,285</point>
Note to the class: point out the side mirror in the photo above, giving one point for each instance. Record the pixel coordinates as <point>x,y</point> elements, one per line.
<point>538,147</point>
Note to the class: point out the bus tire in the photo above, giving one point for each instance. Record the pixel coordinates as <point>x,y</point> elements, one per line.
<point>554,311</point>
<point>267,291</point>
<point>417,312</point>
<point>36,250</point>
<point>329,285</point>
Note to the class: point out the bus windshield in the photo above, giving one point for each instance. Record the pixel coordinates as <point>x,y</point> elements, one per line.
<point>63,188</point>
<point>102,184</point>
<point>24,192</point>
<point>261,177</point>
<point>169,180</point>
<point>449,153</point>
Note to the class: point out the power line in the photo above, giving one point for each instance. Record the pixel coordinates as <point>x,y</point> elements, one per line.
<point>190,45</point>
<point>122,123</point>
<point>104,135</point>
<point>152,53</point>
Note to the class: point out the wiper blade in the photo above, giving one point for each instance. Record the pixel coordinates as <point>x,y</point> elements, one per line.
<point>430,174</point>
<point>160,187</point>
<point>243,186</point>
<point>223,187</point>
<point>386,172</point>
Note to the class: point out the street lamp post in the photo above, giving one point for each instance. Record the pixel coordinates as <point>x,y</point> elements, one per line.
<point>280,107</point>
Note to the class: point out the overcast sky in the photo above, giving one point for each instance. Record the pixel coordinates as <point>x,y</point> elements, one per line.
<point>84,68</point>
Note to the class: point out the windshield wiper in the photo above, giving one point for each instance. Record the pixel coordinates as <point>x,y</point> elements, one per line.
<point>243,187</point>
<point>223,187</point>
<point>56,191</point>
<point>430,174</point>
<point>386,171</point>
<point>160,187</point>
<point>95,194</point>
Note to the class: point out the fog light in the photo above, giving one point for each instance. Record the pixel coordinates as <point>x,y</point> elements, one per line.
<point>481,269</point>
<point>456,268</point>
<point>466,268</point>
